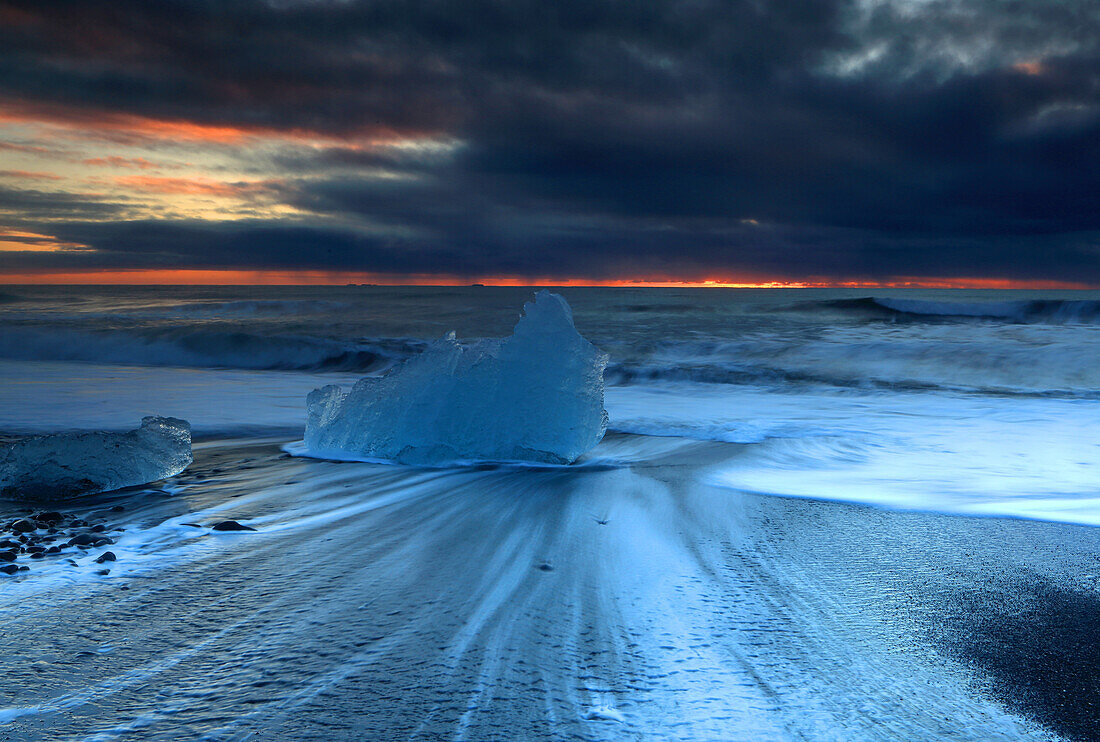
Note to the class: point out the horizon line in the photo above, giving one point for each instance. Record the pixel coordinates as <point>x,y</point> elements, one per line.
<point>238,277</point>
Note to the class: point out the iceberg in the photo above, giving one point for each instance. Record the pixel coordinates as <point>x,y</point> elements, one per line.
<point>51,467</point>
<point>536,396</point>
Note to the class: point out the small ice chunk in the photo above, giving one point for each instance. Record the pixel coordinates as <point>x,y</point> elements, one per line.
<point>70,464</point>
<point>535,396</point>
<point>605,713</point>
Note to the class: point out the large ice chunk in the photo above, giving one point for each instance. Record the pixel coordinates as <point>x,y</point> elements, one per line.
<point>535,396</point>
<point>69,464</point>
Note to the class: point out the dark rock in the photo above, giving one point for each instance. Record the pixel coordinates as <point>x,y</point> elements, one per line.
<point>38,555</point>
<point>81,539</point>
<point>9,544</point>
<point>9,569</point>
<point>22,526</point>
<point>53,550</point>
<point>103,572</point>
<point>231,525</point>
<point>546,567</point>
<point>36,549</point>
<point>107,556</point>
<point>193,525</point>
<point>49,517</point>
<point>41,525</point>
<point>8,556</point>
<point>103,542</point>
<point>78,523</point>
<point>24,568</point>
<point>99,528</point>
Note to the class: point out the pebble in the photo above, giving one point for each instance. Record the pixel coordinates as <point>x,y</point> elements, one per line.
<point>103,572</point>
<point>49,517</point>
<point>81,539</point>
<point>7,556</point>
<point>231,525</point>
<point>9,569</point>
<point>22,526</point>
<point>107,556</point>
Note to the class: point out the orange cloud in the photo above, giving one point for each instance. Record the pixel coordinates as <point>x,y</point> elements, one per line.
<point>17,240</point>
<point>115,161</point>
<point>28,175</point>
<point>195,186</point>
<point>13,147</point>
<point>128,128</point>
<point>1030,67</point>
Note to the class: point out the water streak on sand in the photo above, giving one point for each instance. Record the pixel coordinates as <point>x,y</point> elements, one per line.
<point>380,601</point>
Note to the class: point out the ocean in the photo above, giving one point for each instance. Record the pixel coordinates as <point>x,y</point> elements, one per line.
<point>815,515</point>
<point>973,402</point>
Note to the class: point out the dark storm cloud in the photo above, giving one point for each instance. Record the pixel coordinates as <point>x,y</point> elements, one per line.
<point>597,138</point>
<point>30,207</point>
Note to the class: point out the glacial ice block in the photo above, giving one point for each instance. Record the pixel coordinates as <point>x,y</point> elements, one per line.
<point>49,467</point>
<point>535,396</point>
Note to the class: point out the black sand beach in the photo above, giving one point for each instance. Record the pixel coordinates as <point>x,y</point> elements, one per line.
<point>599,602</point>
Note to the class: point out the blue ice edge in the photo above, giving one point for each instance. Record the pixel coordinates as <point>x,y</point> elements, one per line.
<point>298,449</point>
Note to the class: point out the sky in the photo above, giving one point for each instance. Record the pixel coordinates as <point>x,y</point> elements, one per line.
<point>790,142</point>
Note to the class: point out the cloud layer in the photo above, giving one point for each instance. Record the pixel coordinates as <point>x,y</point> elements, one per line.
<point>805,138</point>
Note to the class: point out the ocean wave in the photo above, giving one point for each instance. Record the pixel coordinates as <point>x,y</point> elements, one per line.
<point>1046,311</point>
<point>1030,360</point>
<point>205,348</point>
<point>245,308</point>
<point>793,380</point>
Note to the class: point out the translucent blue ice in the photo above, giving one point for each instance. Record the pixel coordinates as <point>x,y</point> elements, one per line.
<point>48,467</point>
<point>535,396</point>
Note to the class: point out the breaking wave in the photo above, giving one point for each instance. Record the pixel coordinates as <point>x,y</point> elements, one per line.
<point>248,308</point>
<point>205,348</point>
<point>1045,311</point>
<point>1029,361</point>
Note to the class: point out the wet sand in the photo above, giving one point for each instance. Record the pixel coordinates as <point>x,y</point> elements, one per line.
<point>627,601</point>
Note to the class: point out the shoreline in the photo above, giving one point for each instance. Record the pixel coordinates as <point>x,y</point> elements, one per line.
<point>634,600</point>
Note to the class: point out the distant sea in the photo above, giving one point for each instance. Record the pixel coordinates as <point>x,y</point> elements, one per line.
<point>979,402</point>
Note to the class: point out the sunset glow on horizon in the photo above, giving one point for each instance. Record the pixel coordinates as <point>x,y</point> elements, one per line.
<point>330,278</point>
